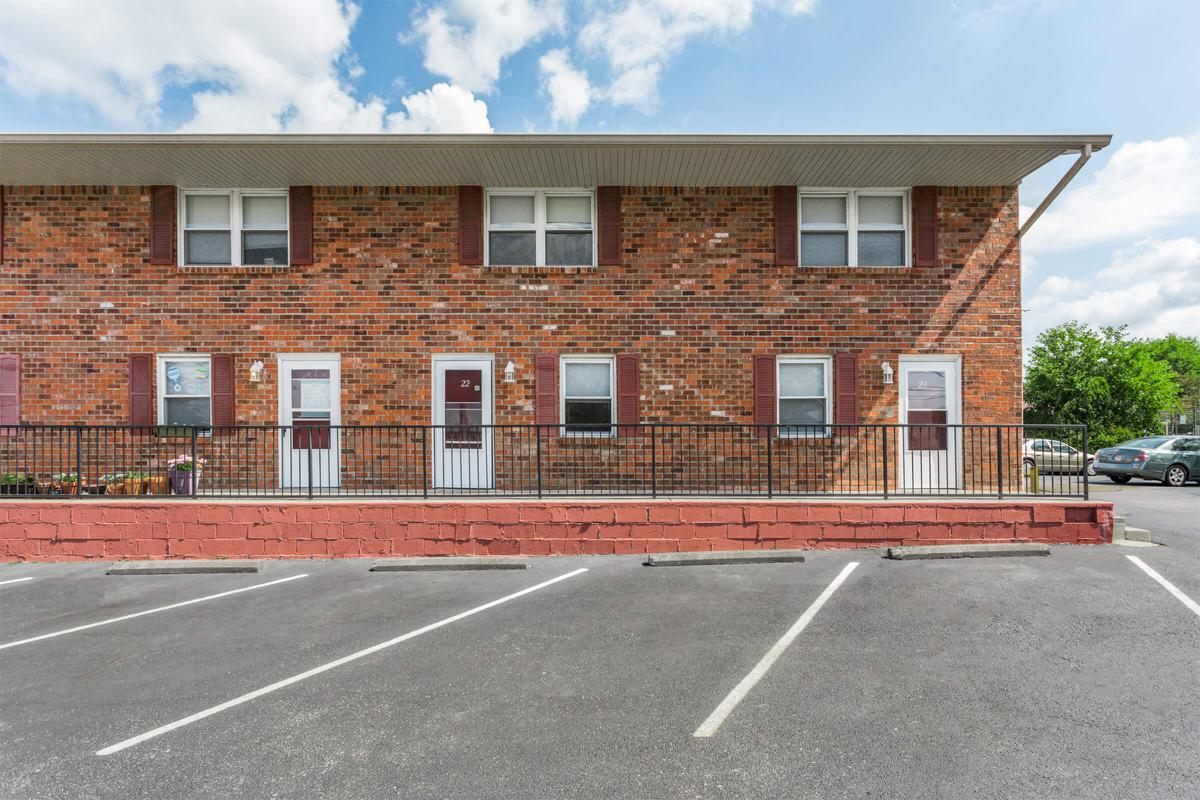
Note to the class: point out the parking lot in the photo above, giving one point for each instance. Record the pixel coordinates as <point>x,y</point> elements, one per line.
<point>1069,676</point>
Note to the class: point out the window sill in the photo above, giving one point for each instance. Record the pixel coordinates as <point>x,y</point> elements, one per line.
<point>532,270</point>
<point>858,269</point>
<point>238,268</point>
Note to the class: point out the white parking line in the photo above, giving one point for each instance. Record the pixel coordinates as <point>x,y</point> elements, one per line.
<point>710,725</point>
<point>150,611</point>
<point>1166,584</point>
<point>15,580</point>
<point>217,709</point>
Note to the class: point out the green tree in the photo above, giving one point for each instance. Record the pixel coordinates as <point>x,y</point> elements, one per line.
<point>1182,355</point>
<point>1099,378</point>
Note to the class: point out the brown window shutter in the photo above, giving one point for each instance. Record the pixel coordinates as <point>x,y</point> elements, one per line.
<point>608,225</point>
<point>764,393</point>
<point>924,218</point>
<point>787,243</point>
<point>470,225</point>
<point>141,389</point>
<point>300,226</point>
<point>546,391</point>
<point>629,393</point>
<point>162,224</point>
<point>224,413</point>
<point>10,393</point>
<point>845,390</point>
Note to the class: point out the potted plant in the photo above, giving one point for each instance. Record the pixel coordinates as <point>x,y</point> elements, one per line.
<point>15,483</point>
<point>64,482</point>
<point>113,483</point>
<point>185,473</point>
<point>158,484</point>
<point>135,482</point>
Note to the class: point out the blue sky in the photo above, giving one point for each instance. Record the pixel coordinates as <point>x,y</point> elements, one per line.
<point>1123,246</point>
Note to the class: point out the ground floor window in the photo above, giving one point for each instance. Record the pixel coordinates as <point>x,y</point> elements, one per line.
<point>185,390</point>
<point>804,395</point>
<point>588,406</point>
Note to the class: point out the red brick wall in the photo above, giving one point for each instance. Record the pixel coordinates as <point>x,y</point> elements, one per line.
<point>49,531</point>
<point>78,294</point>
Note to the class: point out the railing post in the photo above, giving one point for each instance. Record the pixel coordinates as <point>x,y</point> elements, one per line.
<point>1000,462</point>
<point>770,463</point>
<point>1085,462</point>
<point>537,438</point>
<point>195,478</point>
<point>308,456</point>
<point>425,462</point>
<point>653,461</point>
<point>79,459</point>
<point>885,461</point>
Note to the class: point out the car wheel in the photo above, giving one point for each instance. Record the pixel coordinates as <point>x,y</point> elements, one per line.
<point>1091,467</point>
<point>1028,465</point>
<point>1119,478</point>
<point>1176,475</point>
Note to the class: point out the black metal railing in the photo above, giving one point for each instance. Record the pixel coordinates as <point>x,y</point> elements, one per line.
<point>644,460</point>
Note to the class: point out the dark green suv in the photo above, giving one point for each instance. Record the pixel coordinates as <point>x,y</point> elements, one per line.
<point>1174,460</point>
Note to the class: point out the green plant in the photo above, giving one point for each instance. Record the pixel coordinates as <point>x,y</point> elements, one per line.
<point>113,477</point>
<point>186,463</point>
<point>65,477</point>
<point>137,476</point>
<point>16,479</point>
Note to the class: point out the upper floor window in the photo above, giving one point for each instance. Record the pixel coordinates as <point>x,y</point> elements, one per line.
<point>234,228</point>
<point>550,228</point>
<point>859,228</point>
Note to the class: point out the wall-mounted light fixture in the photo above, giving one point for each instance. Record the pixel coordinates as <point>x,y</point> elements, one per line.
<point>256,371</point>
<point>510,372</point>
<point>888,372</point>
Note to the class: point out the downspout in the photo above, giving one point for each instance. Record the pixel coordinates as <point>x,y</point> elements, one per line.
<point>1084,155</point>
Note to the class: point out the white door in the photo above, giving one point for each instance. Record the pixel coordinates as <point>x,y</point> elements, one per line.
<point>930,399</point>
<point>462,439</point>
<point>309,410</point>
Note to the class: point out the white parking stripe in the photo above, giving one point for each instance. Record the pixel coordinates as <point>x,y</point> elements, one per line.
<point>245,698</point>
<point>710,725</point>
<point>1166,584</point>
<point>150,611</point>
<point>15,580</point>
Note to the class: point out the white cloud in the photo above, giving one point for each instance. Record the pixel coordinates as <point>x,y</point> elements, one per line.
<point>441,108</point>
<point>468,40</point>
<point>1153,287</point>
<point>261,66</point>
<point>569,89</point>
<point>1143,188</point>
<point>638,38</point>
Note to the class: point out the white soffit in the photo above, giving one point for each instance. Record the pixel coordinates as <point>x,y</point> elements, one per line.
<point>551,160</point>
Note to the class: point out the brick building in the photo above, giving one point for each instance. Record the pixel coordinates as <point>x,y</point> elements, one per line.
<point>584,282</point>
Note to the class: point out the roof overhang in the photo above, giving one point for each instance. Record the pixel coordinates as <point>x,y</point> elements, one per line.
<point>550,160</point>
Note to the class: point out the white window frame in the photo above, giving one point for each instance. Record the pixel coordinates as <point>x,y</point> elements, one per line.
<point>563,361</point>
<point>816,430</point>
<point>235,228</point>
<point>540,226</point>
<point>161,383</point>
<point>852,227</point>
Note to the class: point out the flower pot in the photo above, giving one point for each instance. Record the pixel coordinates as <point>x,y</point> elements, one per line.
<point>135,486</point>
<point>184,482</point>
<point>117,487</point>
<point>159,484</point>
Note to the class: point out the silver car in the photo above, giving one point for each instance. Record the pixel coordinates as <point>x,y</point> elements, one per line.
<point>1173,460</point>
<point>1051,456</point>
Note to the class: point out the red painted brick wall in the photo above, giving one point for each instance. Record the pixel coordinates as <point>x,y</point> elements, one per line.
<point>78,294</point>
<point>56,531</point>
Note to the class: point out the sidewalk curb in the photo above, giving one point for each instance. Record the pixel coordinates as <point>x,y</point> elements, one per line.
<point>216,567</point>
<point>436,563</point>
<point>996,550</point>
<point>725,557</point>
